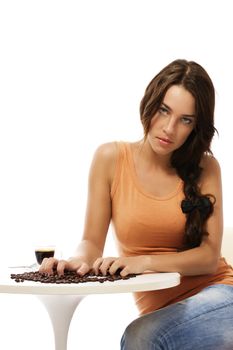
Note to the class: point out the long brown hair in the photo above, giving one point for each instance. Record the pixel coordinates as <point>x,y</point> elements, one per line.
<point>186,160</point>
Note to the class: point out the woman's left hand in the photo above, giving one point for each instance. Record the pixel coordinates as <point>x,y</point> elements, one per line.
<point>127,265</point>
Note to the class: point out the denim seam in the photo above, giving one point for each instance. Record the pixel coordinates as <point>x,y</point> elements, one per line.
<point>166,332</point>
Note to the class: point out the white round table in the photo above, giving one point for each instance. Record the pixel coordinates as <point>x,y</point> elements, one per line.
<point>61,300</point>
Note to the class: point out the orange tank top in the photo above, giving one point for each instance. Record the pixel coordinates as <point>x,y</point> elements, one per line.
<point>145,224</point>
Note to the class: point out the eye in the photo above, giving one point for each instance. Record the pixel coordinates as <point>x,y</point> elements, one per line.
<point>186,120</point>
<point>163,110</point>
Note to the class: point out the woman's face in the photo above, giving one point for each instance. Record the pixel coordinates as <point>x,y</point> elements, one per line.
<point>174,121</point>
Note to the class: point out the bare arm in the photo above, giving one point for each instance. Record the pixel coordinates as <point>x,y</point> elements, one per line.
<point>98,215</point>
<point>203,259</point>
<point>98,212</point>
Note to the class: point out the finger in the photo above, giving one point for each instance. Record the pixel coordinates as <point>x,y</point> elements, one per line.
<point>83,269</point>
<point>106,265</point>
<point>48,265</point>
<point>96,265</point>
<point>42,266</point>
<point>116,266</point>
<point>125,271</point>
<point>62,264</point>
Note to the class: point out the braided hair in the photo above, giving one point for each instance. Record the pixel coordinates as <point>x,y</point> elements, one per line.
<point>186,160</point>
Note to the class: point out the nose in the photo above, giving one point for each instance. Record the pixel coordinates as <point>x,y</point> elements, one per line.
<point>169,126</point>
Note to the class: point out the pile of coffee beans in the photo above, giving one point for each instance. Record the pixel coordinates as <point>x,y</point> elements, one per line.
<point>67,278</point>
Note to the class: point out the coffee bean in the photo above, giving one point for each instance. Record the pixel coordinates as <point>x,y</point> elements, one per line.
<point>68,277</point>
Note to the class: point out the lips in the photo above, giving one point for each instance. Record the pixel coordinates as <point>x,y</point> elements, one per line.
<point>164,140</point>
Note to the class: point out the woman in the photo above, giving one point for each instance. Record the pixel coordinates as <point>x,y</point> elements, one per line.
<point>163,195</point>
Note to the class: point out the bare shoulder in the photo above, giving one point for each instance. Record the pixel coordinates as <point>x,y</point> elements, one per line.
<point>104,160</point>
<point>210,164</point>
<point>106,152</point>
<point>211,173</point>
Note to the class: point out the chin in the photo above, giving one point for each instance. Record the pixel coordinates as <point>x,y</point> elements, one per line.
<point>162,152</point>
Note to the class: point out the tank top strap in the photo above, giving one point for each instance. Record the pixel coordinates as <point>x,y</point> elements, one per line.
<point>121,158</point>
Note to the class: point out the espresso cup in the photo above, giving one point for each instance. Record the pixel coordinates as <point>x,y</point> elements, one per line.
<point>42,252</point>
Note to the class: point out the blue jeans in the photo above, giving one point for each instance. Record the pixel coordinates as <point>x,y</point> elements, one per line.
<point>203,321</point>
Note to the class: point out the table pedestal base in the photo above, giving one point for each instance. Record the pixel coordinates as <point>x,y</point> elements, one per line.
<point>60,309</point>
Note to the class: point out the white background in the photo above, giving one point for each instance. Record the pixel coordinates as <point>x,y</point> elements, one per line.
<point>72,74</point>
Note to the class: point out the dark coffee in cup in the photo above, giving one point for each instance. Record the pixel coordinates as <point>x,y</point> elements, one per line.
<point>44,253</point>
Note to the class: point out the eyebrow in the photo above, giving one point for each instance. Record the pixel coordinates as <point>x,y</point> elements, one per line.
<point>184,115</point>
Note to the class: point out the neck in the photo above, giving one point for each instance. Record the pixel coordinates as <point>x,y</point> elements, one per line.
<point>151,158</point>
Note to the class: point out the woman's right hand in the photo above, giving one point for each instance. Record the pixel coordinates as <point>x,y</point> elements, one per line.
<point>77,264</point>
